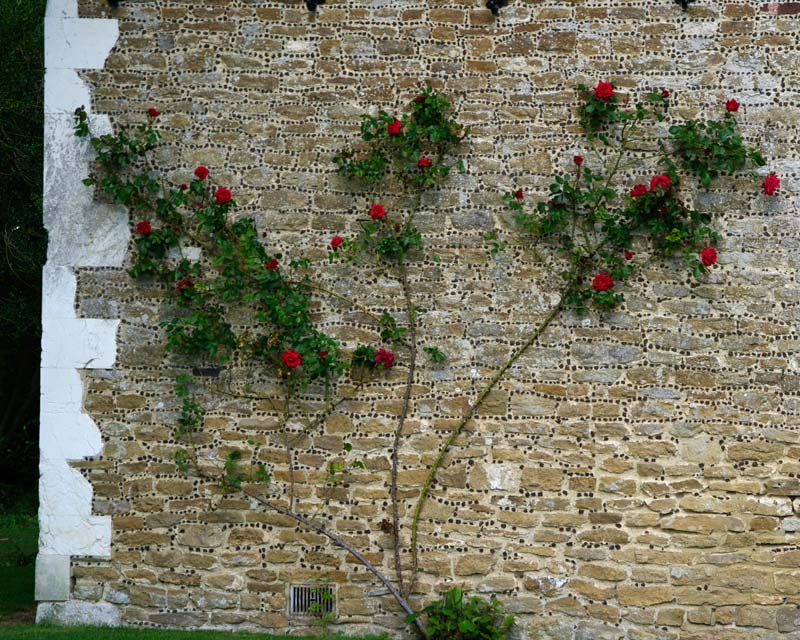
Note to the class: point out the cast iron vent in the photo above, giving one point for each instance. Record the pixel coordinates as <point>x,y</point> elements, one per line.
<point>312,600</point>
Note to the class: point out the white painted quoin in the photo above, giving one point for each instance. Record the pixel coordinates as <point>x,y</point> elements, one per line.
<point>81,233</point>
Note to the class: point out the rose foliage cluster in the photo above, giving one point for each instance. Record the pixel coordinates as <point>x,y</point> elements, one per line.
<point>594,225</point>
<point>399,155</point>
<point>238,271</point>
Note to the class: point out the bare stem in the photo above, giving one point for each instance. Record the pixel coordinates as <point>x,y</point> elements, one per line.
<point>434,469</point>
<point>411,313</point>
<point>398,432</point>
<point>288,444</point>
<point>339,542</point>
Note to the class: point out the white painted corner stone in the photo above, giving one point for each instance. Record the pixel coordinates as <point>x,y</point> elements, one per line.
<point>96,614</point>
<point>78,43</point>
<point>81,233</point>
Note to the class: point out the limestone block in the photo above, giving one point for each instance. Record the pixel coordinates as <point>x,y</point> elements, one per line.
<point>52,577</point>
<point>78,612</point>
<point>74,43</point>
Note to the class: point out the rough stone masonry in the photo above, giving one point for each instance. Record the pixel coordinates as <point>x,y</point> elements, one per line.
<point>636,476</point>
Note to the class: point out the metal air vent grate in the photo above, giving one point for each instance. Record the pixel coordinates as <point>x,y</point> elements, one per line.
<point>312,600</point>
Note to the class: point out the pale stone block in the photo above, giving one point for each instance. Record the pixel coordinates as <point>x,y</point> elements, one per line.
<point>79,343</point>
<point>73,43</point>
<point>65,91</point>
<point>58,292</point>
<point>76,535</point>
<point>66,154</point>
<point>82,232</point>
<point>62,490</point>
<point>52,577</point>
<point>62,391</point>
<point>62,9</point>
<point>68,436</point>
<point>78,612</point>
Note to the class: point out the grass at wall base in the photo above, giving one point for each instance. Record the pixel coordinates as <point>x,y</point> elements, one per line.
<point>46,632</point>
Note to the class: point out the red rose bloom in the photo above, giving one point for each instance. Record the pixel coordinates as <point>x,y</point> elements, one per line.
<point>629,255</point>
<point>660,182</point>
<point>578,160</point>
<point>377,212</point>
<point>394,127</point>
<point>143,227</point>
<point>153,113</point>
<point>519,195</point>
<point>222,195</point>
<point>664,93</point>
<point>384,357</point>
<point>271,265</point>
<point>771,184</point>
<point>323,354</point>
<point>201,172</point>
<point>336,241</point>
<point>185,284</point>
<point>424,162</point>
<point>708,256</point>
<point>291,358</point>
<point>604,90</point>
<point>602,282</point>
<point>638,190</point>
<point>183,187</point>
<point>732,106</point>
<point>419,99</point>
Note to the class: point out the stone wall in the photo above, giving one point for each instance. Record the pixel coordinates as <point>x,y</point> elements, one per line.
<point>635,476</point>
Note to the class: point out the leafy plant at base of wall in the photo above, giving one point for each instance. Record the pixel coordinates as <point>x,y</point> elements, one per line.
<point>456,618</point>
<point>320,596</point>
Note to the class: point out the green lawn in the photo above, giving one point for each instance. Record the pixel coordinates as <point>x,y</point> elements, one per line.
<point>31,632</point>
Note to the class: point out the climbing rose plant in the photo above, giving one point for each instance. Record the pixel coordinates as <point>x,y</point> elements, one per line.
<point>593,224</point>
<point>584,229</point>
<point>238,275</point>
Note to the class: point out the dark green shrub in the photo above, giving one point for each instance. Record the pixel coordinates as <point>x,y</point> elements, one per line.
<point>23,241</point>
<point>456,618</point>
